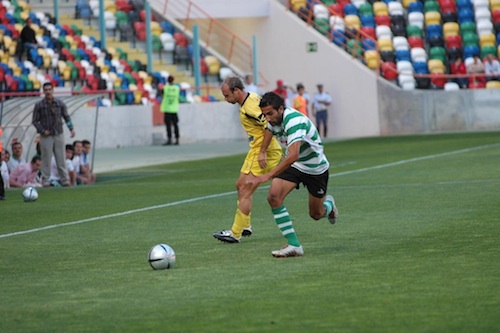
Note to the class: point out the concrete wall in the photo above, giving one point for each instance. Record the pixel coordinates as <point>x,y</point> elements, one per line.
<point>436,111</point>
<point>282,54</point>
<point>133,126</point>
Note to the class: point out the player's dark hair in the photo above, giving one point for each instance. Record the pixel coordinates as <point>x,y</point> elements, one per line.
<point>234,82</point>
<point>85,142</point>
<point>273,99</point>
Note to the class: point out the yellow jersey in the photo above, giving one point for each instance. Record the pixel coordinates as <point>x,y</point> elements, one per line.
<point>254,122</point>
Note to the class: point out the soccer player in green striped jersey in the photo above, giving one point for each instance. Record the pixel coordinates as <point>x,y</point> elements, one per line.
<point>304,162</point>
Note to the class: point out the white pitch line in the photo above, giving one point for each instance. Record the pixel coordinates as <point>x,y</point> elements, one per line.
<point>176,203</point>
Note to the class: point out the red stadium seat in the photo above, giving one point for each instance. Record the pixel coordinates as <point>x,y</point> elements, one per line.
<point>415,41</point>
<point>383,20</point>
<point>389,70</point>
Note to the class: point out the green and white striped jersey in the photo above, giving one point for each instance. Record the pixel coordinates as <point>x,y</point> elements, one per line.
<point>297,127</point>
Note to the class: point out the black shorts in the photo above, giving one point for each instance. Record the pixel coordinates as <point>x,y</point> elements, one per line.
<point>315,184</point>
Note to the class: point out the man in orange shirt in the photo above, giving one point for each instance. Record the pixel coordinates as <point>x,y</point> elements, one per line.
<point>300,102</point>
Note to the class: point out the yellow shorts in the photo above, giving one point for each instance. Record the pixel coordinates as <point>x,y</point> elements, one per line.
<point>251,163</point>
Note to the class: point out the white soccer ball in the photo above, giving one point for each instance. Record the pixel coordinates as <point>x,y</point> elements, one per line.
<point>161,256</point>
<point>30,194</point>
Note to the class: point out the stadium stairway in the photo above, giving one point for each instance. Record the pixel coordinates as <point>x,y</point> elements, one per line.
<point>135,51</point>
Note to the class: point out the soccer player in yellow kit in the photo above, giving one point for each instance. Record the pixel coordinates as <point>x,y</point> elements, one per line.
<point>264,154</point>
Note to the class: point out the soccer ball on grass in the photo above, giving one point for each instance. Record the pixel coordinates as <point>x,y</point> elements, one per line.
<point>30,194</point>
<point>161,256</point>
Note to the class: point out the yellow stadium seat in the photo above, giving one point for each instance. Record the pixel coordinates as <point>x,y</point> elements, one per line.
<point>61,65</point>
<point>372,59</point>
<point>495,5</point>
<point>66,74</point>
<point>156,28</point>
<point>406,3</point>
<point>487,40</point>
<point>493,85</point>
<point>213,65</point>
<point>385,44</point>
<point>451,29</point>
<point>432,18</point>
<point>352,22</point>
<point>380,8</point>
<point>297,4</point>
<point>110,6</point>
<point>436,66</point>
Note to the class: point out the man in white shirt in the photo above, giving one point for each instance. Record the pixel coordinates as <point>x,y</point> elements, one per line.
<point>54,173</point>
<point>492,68</point>
<point>16,157</point>
<point>321,101</point>
<point>250,86</point>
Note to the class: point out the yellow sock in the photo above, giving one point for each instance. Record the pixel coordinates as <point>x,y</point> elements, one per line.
<point>241,221</point>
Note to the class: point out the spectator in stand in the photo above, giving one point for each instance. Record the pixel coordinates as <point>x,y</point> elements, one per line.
<point>458,68</point>
<point>492,68</point>
<point>26,174</point>
<point>476,67</point>
<point>27,40</point>
<point>47,119</point>
<point>250,86</point>
<point>300,102</point>
<point>16,158</point>
<point>54,174</point>
<point>86,146</point>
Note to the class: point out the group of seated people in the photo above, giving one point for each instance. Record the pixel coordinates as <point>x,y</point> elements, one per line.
<point>490,67</point>
<point>17,172</point>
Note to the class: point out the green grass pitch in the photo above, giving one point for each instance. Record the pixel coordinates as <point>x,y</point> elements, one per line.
<point>416,248</point>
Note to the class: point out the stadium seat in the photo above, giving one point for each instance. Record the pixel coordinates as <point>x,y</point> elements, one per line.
<point>432,18</point>
<point>372,59</point>
<point>451,86</point>
<point>389,70</point>
<point>407,81</point>
<point>384,32</point>
<point>493,85</point>
<point>400,43</point>
<point>416,19</point>
<point>380,8</point>
<point>385,44</point>
<point>415,6</point>
<point>415,41</point>
<point>431,6</point>
<point>418,54</point>
<point>321,11</point>
<point>436,66</point>
<point>450,28</point>
<point>336,23</point>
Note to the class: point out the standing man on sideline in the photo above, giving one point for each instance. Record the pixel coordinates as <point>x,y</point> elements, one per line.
<point>304,163</point>
<point>170,107</point>
<point>47,119</point>
<point>250,86</point>
<point>2,185</point>
<point>321,101</point>
<point>263,155</point>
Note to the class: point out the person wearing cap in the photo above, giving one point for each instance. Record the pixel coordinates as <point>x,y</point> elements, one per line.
<point>320,102</point>
<point>281,90</point>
